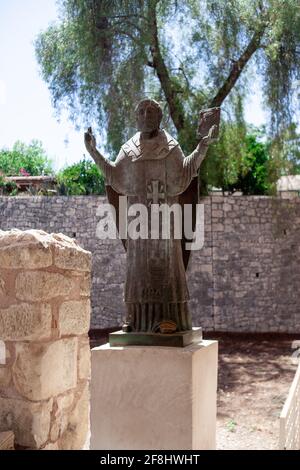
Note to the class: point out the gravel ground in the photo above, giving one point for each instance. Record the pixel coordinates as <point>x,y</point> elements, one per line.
<point>254,379</point>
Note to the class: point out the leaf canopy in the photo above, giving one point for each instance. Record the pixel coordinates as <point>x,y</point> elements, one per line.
<point>102,57</point>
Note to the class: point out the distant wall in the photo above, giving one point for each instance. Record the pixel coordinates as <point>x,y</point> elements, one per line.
<point>245,278</point>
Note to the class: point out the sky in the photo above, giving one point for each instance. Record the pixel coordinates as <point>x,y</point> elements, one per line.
<point>26,112</point>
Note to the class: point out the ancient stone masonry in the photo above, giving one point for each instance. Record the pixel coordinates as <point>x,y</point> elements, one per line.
<point>256,264</point>
<point>44,347</point>
<point>245,278</point>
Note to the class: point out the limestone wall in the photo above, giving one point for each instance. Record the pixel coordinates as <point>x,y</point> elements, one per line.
<point>44,347</point>
<point>245,278</point>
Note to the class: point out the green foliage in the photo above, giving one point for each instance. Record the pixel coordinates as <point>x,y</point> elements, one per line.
<point>225,162</point>
<point>231,425</point>
<point>7,188</point>
<point>253,176</point>
<point>97,57</point>
<point>99,60</point>
<point>243,160</point>
<point>91,67</point>
<point>83,178</point>
<point>285,151</point>
<point>25,159</point>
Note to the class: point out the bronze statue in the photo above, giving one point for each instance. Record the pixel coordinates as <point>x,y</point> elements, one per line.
<point>151,169</point>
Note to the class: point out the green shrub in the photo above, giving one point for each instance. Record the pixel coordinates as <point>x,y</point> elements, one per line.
<point>83,178</point>
<point>25,160</point>
<point>7,187</point>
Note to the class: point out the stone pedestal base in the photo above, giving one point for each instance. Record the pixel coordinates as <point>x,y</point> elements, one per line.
<point>178,339</point>
<point>155,398</point>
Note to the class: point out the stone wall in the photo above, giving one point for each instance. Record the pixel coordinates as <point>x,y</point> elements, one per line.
<point>245,278</point>
<point>44,353</point>
<point>256,264</point>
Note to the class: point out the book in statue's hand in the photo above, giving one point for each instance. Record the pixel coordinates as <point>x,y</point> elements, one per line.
<point>207,119</point>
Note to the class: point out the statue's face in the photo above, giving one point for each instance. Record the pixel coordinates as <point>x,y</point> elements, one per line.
<point>148,118</point>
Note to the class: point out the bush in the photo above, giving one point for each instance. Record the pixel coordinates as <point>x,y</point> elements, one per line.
<point>25,160</point>
<point>7,188</point>
<point>241,161</point>
<point>83,178</point>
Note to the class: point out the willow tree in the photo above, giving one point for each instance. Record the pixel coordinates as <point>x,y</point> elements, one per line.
<point>102,56</point>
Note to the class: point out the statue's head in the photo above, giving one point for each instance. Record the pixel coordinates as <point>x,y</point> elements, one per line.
<point>148,115</point>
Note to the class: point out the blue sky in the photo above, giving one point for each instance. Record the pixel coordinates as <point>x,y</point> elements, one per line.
<point>25,105</point>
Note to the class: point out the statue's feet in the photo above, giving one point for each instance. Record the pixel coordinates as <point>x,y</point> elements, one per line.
<point>165,327</point>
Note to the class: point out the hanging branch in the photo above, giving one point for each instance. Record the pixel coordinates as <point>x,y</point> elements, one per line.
<point>162,72</point>
<point>237,68</point>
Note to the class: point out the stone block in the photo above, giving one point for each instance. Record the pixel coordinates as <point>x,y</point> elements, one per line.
<point>51,446</point>
<point>63,407</point>
<point>64,402</point>
<point>154,397</point>
<point>29,421</point>
<point>84,360</point>
<point>33,249</point>
<point>45,370</point>
<point>78,426</point>
<point>67,256</point>
<point>4,353</point>
<point>217,227</point>
<point>29,257</point>
<point>5,377</point>
<point>2,287</point>
<point>25,322</point>
<point>42,285</point>
<point>217,213</point>
<point>74,317</point>
<point>85,285</point>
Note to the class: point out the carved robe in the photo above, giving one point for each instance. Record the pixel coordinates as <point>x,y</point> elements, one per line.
<point>148,172</point>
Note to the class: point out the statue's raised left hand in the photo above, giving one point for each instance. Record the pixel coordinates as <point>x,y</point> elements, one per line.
<point>89,140</point>
<point>212,135</point>
<point>209,121</point>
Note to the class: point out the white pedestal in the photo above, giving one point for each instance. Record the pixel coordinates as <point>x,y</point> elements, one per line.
<point>154,398</point>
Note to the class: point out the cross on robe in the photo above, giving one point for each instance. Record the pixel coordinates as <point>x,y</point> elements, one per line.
<point>156,192</point>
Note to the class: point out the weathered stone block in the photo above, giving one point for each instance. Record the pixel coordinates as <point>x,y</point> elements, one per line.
<point>45,370</point>
<point>29,257</point>
<point>62,408</point>
<point>29,421</point>
<point>5,377</point>
<point>51,446</point>
<point>41,285</point>
<point>84,360</point>
<point>85,285</point>
<point>78,423</point>
<point>25,249</point>
<point>4,353</point>
<point>2,287</point>
<point>25,322</point>
<point>69,255</point>
<point>217,213</point>
<point>33,249</point>
<point>64,401</point>
<point>74,317</point>
<point>218,227</point>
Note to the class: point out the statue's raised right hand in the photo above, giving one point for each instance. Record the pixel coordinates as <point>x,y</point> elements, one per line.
<point>89,140</point>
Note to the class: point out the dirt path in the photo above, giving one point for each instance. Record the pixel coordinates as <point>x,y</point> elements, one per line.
<point>254,379</point>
